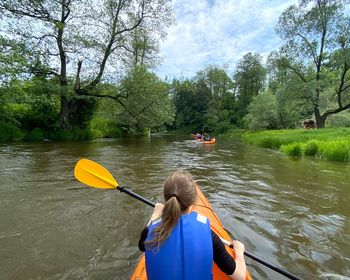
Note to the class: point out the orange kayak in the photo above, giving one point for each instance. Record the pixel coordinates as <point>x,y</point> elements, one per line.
<point>212,141</point>
<point>203,207</point>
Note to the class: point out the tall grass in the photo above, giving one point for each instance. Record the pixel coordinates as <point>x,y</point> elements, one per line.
<point>331,144</point>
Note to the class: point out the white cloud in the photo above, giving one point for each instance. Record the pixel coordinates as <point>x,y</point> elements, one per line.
<point>210,31</point>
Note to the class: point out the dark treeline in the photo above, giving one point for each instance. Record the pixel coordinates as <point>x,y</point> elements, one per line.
<point>72,70</point>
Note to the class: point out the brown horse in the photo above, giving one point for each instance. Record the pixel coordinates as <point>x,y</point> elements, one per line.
<point>309,124</point>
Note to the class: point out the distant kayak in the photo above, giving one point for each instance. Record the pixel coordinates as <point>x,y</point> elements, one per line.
<point>212,141</point>
<point>200,139</point>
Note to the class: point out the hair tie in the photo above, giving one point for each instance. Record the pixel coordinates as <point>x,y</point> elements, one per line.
<point>174,195</point>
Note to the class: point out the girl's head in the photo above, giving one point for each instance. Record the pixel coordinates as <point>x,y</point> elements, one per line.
<point>180,193</point>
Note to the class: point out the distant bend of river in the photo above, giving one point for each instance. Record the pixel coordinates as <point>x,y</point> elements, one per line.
<point>291,212</point>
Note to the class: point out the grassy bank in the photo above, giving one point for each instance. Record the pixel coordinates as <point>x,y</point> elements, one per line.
<point>331,144</point>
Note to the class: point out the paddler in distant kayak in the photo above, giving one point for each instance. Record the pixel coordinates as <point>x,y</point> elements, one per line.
<point>199,136</point>
<point>179,245</point>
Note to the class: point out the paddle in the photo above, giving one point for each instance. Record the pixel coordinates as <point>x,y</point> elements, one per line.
<point>95,175</point>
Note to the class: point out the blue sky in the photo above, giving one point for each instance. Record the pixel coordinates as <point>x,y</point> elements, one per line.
<point>219,32</point>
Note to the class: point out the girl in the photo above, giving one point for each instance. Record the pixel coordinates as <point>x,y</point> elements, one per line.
<point>179,245</point>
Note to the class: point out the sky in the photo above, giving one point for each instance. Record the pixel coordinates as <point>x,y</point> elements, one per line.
<point>219,32</point>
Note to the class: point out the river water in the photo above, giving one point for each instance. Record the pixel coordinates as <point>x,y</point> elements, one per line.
<point>291,212</point>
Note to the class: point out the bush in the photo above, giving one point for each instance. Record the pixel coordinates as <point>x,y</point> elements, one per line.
<point>105,128</point>
<point>336,150</point>
<point>310,148</point>
<point>34,135</point>
<point>115,132</point>
<point>10,132</point>
<point>61,135</point>
<point>292,149</point>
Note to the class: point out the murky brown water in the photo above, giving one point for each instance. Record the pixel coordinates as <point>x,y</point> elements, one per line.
<point>289,211</point>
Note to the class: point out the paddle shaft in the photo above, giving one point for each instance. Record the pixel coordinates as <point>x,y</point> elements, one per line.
<point>272,266</point>
<point>135,195</point>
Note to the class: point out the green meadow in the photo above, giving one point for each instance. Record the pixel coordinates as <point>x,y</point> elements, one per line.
<point>331,144</point>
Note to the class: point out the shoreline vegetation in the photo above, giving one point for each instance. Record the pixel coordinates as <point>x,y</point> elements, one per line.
<point>330,143</point>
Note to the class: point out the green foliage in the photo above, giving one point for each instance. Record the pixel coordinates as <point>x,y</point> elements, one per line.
<point>341,119</point>
<point>262,112</point>
<point>147,102</point>
<point>302,81</point>
<point>82,117</point>
<point>206,103</point>
<point>319,63</point>
<point>331,144</point>
<point>14,58</point>
<point>338,150</point>
<point>310,148</point>
<point>10,132</point>
<point>235,132</point>
<point>76,134</point>
<point>106,128</point>
<point>224,126</point>
<point>291,149</point>
<point>249,77</point>
<point>129,40</point>
<point>34,135</point>
<point>61,135</point>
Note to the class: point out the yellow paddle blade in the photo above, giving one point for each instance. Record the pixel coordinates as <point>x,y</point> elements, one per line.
<point>94,175</point>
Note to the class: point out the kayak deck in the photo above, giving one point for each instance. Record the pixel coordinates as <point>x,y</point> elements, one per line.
<point>212,141</point>
<point>202,207</point>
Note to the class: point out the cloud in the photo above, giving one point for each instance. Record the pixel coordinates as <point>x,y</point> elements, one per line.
<point>219,32</point>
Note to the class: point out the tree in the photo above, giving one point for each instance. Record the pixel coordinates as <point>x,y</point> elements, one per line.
<point>183,94</point>
<point>249,77</point>
<point>146,101</point>
<point>262,112</point>
<point>218,105</point>
<point>84,41</point>
<point>316,49</point>
<point>292,105</point>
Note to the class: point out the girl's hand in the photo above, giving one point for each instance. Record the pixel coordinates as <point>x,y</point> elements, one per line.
<point>157,212</point>
<point>238,246</point>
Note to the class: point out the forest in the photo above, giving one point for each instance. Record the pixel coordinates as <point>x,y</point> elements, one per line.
<point>70,70</point>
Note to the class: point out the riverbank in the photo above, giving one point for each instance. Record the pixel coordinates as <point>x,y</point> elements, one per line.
<point>331,144</point>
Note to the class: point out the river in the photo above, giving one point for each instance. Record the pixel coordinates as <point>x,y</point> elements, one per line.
<point>291,212</point>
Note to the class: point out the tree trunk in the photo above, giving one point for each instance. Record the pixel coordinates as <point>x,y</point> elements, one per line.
<point>63,117</point>
<point>320,120</point>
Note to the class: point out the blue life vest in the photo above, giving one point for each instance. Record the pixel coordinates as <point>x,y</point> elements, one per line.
<point>187,254</point>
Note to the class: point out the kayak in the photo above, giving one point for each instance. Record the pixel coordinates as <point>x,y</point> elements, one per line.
<point>202,207</point>
<point>200,139</point>
<point>212,141</point>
